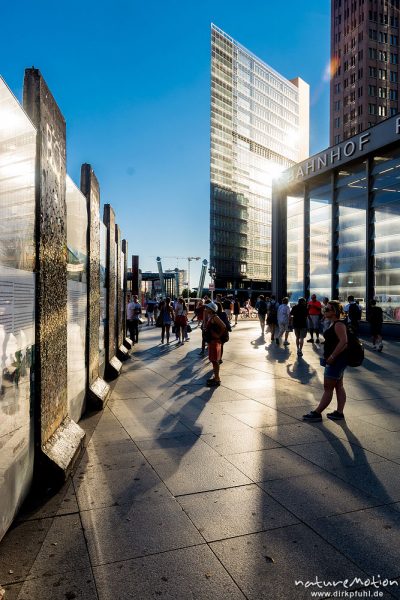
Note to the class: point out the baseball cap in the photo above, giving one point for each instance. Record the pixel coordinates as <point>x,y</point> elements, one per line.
<point>212,306</point>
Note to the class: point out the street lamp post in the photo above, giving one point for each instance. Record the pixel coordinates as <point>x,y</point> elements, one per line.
<point>189,259</point>
<point>213,273</point>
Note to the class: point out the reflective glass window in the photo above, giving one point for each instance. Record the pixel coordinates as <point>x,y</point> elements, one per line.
<point>320,197</point>
<point>351,195</point>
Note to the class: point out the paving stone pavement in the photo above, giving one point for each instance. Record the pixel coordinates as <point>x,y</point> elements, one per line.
<point>185,492</point>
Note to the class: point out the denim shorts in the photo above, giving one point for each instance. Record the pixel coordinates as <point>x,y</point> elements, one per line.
<point>336,370</point>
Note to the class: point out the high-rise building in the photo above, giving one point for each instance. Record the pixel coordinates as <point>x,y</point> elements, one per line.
<point>259,127</point>
<point>364,65</point>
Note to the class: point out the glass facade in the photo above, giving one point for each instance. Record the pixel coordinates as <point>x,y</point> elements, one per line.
<point>337,231</point>
<point>386,247</point>
<point>255,119</point>
<point>320,241</point>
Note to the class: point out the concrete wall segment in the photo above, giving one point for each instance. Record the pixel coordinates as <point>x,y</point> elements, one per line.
<point>91,189</point>
<point>51,247</point>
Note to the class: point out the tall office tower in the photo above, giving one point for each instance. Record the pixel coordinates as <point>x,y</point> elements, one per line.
<point>364,65</point>
<point>259,126</point>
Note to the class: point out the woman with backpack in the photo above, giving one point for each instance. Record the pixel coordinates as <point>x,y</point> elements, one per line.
<point>180,321</point>
<point>335,362</point>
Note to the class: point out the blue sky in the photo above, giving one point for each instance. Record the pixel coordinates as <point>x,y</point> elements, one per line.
<point>132,81</point>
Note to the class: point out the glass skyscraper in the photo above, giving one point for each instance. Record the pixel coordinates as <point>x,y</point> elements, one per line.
<point>259,127</point>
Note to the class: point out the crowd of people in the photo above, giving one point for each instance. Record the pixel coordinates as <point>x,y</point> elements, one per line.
<point>326,321</point>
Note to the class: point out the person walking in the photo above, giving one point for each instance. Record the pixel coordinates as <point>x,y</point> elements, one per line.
<point>314,317</point>
<point>167,317</point>
<point>262,308</point>
<point>213,332</point>
<point>228,307</point>
<point>133,312</point>
<point>375,320</point>
<point>180,320</point>
<point>353,312</point>
<point>272,318</point>
<point>284,320</point>
<point>335,362</point>
<point>236,310</point>
<point>150,312</point>
<point>299,320</point>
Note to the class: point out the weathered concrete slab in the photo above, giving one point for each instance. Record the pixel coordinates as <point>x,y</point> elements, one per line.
<point>235,511</point>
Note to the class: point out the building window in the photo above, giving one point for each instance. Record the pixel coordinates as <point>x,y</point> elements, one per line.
<point>360,110</point>
<point>372,71</point>
<point>337,122</point>
<point>382,92</point>
<point>393,94</point>
<point>360,91</point>
<point>383,19</point>
<point>372,109</point>
<point>373,53</point>
<point>382,54</point>
<point>393,76</point>
<point>382,112</point>
<point>337,139</point>
<point>372,90</point>
<point>352,78</point>
<point>393,111</point>
<point>383,37</point>
<point>394,21</point>
<point>373,34</point>
<point>393,58</point>
<point>382,73</point>
<point>394,40</point>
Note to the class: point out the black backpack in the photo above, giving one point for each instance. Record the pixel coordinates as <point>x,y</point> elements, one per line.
<point>225,336</point>
<point>354,312</point>
<point>355,349</point>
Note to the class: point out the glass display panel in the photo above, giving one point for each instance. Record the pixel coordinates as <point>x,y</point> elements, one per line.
<point>77,225</point>
<point>17,303</point>
<point>103,295</point>
<point>295,247</point>
<point>386,205</point>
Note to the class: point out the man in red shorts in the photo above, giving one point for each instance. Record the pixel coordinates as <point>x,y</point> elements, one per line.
<point>314,317</point>
<point>214,329</point>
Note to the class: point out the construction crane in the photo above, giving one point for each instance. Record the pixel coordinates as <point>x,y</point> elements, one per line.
<point>189,259</point>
